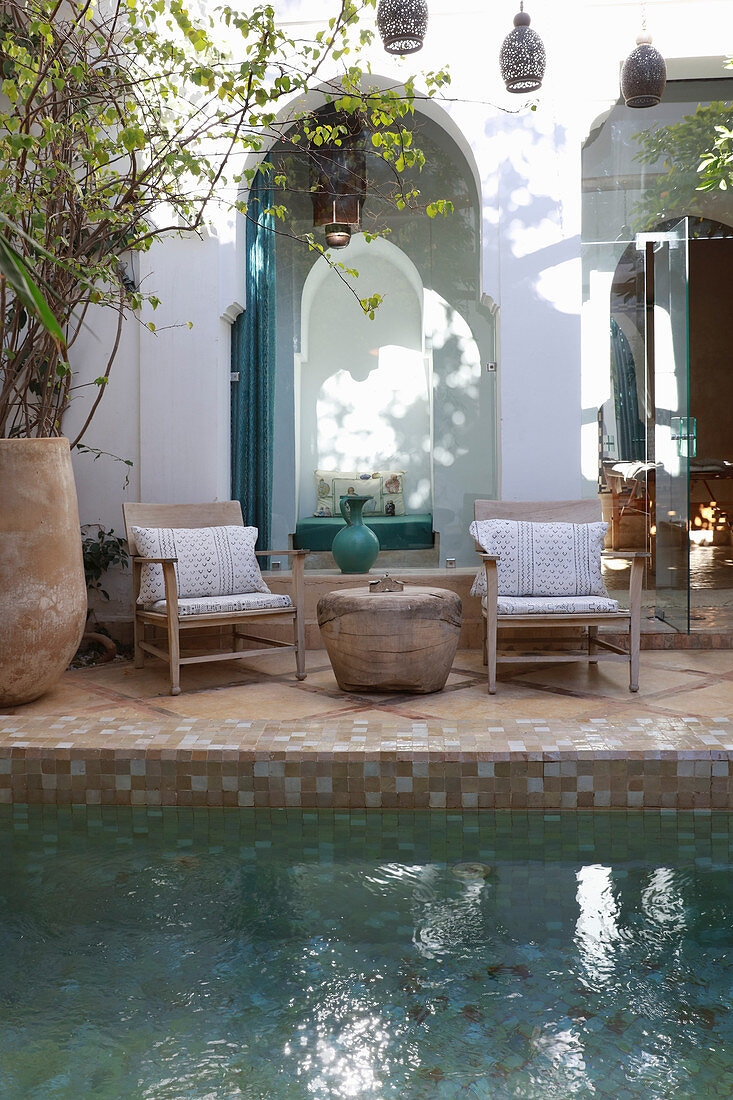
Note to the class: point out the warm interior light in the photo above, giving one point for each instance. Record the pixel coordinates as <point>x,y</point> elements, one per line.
<point>707,521</point>
<point>616,564</point>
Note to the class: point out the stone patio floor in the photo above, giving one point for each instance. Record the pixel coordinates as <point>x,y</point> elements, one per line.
<point>674,685</point>
<point>247,734</point>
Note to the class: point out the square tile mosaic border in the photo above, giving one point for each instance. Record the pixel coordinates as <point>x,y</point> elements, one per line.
<point>675,764</point>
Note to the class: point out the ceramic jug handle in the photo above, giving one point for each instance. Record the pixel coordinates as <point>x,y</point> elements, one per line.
<point>345,510</point>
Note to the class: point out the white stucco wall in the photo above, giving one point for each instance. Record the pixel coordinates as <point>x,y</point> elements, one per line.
<point>167,403</point>
<point>167,407</point>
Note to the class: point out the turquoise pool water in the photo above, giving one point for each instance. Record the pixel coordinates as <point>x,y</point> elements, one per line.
<point>324,955</point>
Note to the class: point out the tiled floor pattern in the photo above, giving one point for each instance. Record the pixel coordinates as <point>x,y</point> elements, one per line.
<point>562,736</point>
<point>672,684</point>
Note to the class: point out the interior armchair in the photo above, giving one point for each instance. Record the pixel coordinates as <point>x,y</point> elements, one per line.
<point>534,578</point>
<point>194,567</point>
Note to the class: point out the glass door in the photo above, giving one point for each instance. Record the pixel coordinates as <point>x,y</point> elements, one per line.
<point>667,342</point>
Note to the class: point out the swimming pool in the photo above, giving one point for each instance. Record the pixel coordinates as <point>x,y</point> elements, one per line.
<point>264,955</point>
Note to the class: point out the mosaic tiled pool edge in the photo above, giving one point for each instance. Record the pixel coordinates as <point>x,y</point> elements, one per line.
<point>675,764</point>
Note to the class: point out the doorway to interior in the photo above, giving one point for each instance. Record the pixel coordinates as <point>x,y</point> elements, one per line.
<point>666,439</point>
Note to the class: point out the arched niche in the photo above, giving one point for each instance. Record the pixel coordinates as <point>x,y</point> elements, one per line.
<point>364,386</point>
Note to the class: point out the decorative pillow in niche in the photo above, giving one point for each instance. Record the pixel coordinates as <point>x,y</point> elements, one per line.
<point>542,559</point>
<point>386,487</point>
<point>212,561</point>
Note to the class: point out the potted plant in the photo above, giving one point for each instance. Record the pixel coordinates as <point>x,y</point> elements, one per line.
<point>119,126</point>
<point>39,559</point>
<point>102,549</point>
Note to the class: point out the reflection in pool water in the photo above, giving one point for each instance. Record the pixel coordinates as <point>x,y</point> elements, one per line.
<point>325,955</point>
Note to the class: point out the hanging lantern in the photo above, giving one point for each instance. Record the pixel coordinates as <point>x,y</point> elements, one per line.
<point>338,234</point>
<point>522,58</point>
<point>338,179</point>
<point>402,25</point>
<point>643,74</point>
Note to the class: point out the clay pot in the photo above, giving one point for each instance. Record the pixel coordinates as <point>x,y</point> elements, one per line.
<point>43,596</point>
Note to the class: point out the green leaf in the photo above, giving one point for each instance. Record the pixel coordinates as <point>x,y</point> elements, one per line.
<point>16,274</point>
<point>133,137</point>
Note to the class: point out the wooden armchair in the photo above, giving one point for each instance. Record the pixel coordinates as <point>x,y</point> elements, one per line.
<point>222,514</point>
<point>594,648</point>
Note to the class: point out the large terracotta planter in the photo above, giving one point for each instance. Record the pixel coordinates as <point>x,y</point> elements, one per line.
<point>43,598</point>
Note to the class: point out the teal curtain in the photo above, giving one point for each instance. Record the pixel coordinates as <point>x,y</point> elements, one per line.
<point>253,358</point>
<point>631,442</point>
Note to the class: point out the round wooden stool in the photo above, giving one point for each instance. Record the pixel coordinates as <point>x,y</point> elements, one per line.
<point>391,641</point>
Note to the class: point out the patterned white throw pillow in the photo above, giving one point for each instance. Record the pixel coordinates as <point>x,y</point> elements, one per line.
<point>542,559</point>
<point>212,561</point>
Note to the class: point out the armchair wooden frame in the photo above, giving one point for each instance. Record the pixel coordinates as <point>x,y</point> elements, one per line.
<point>595,648</point>
<point>220,514</point>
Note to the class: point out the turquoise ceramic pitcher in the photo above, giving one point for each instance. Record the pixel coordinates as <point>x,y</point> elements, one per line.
<point>355,547</point>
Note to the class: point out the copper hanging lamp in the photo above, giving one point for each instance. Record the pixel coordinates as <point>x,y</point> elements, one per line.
<point>338,178</point>
<point>338,234</point>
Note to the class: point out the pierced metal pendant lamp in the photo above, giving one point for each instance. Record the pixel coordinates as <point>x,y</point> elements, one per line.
<point>643,74</point>
<point>522,58</point>
<point>402,25</point>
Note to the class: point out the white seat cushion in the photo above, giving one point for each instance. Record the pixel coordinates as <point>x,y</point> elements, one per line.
<point>212,561</point>
<point>542,559</point>
<point>219,605</point>
<point>555,605</point>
